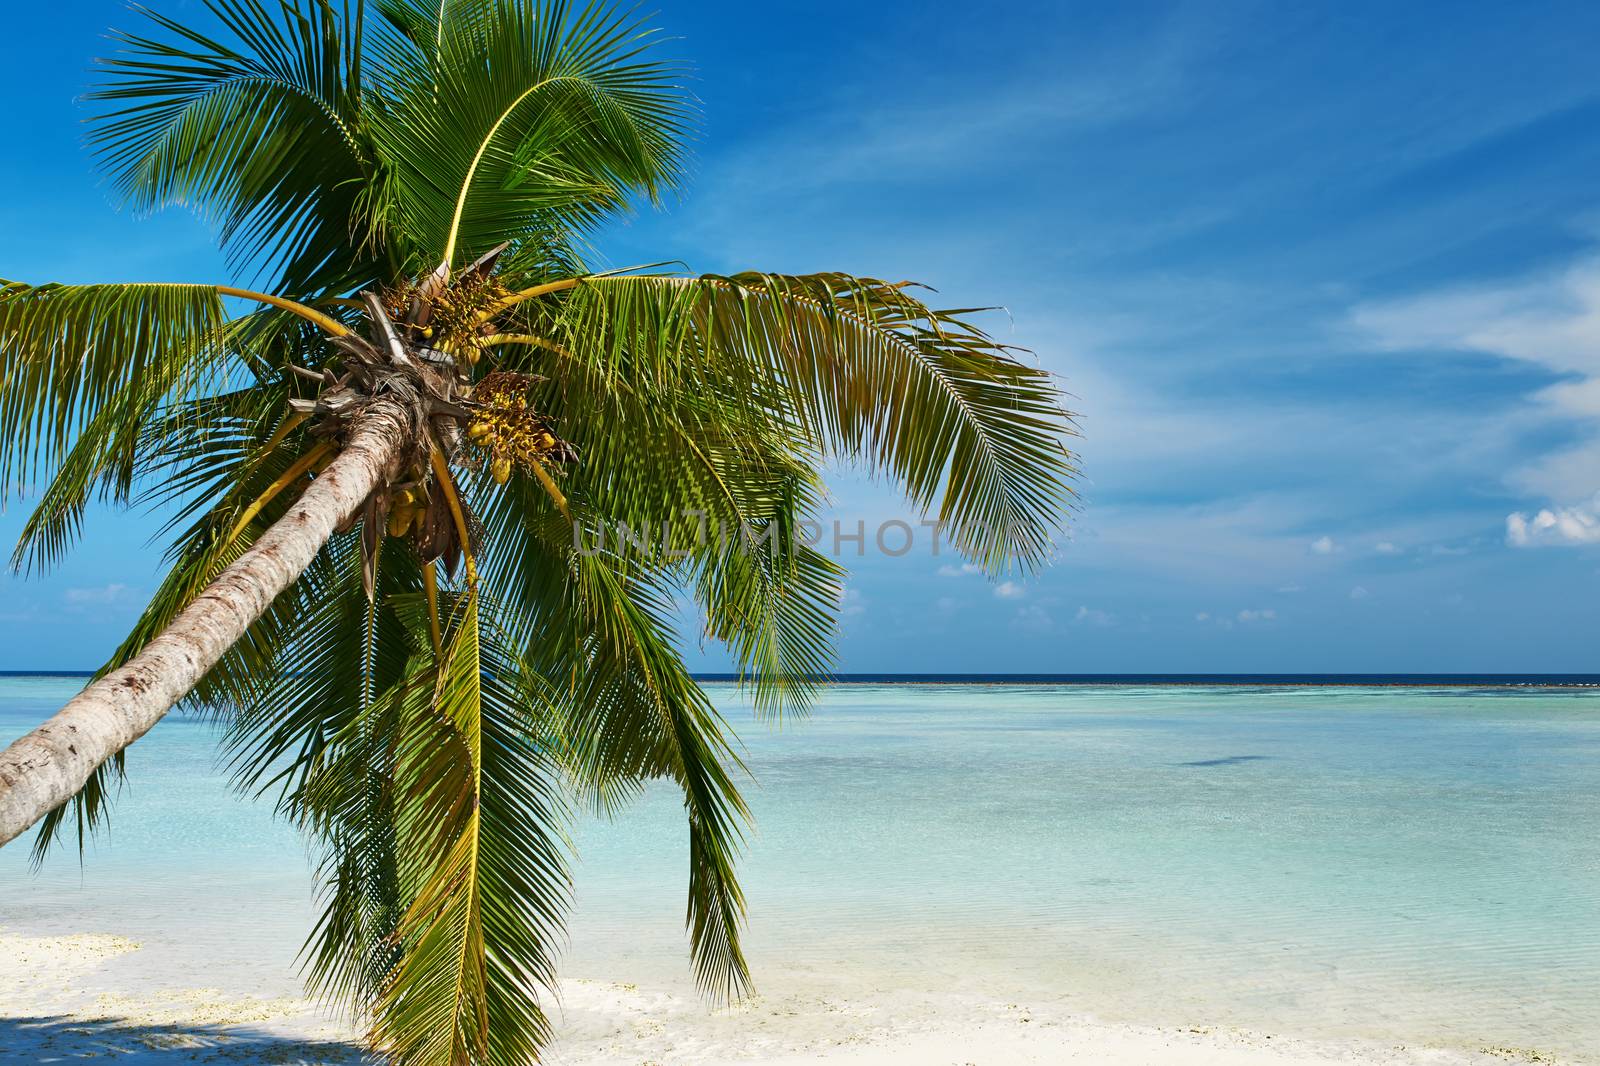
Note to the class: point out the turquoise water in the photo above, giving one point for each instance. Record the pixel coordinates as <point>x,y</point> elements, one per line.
<point>1418,866</point>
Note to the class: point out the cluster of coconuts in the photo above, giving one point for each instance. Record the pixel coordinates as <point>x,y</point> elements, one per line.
<point>408,510</point>
<point>452,320</point>
<point>482,433</point>
<point>506,437</point>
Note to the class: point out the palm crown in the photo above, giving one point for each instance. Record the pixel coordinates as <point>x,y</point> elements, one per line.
<point>435,378</point>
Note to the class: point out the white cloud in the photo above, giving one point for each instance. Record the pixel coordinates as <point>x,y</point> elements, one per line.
<point>1551,321</point>
<point>1323,546</point>
<point>1032,618</point>
<point>1289,590</point>
<point>1384,547</point>
<point>1216,541</point>
<point>1565,475</point>
<point>1359,593</point>
<point>1203,616</point>
<point>852,603</point>
<point>1265,614</point>
<point>1010,590</point>
<point>96,597</point>
<point>1089,616</point>
<point>17,611</point>
<point>1549,527</point>
<point>963,570</point>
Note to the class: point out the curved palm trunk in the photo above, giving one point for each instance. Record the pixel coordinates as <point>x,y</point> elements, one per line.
<point>44,769</point>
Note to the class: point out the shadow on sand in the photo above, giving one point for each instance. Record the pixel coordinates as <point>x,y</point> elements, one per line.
<point>55,1039</point>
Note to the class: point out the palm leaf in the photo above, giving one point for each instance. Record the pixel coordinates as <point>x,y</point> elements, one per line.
<point>260,132</point>
<point>315,730</point>
<point>628,711</point>
<point>700,467</point>
<point>636,659</point>
<point>70,352</point>
<point>867,372</point>
<point>526,120</point>
<point>476,802</point>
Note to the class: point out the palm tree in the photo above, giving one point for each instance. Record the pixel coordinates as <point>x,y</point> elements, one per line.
<point>391,475</point>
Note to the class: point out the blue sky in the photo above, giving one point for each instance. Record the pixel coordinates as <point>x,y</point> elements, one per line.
<point>1323,280</point>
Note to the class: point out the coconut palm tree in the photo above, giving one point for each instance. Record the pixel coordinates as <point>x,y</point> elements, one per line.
<point>437,490</point>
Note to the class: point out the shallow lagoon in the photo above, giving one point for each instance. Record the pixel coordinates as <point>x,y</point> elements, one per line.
<point>1407,865</point>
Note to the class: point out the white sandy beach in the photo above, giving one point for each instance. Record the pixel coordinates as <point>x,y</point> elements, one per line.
<point>59,1004</point>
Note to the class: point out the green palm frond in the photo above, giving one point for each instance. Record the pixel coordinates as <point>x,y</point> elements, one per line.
<point>866,372</point>
<point>100,462</point>
<point>314,730</point>
<point>632,713</point>
<point>260,132</point>
<point>531,119</point>
<point>680,465</point>
<point>420,25</point>
<point>597,627</point>
<point>635,649</point>
<point>477,810</point>
<point>70,352</point>
<point>773,602</point>
<point>441,916</point>
<point>172,439</point>
<point>188,453</point>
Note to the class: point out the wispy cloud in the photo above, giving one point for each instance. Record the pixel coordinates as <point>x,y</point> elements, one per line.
<point>1550,321</point>
<point>917,133</point>
<point>1033,618</point>
<point>17,610</point>
<point>97,596</point>
<point>852,603</point>
<point>1093,616</point>
<point>1245,617</point>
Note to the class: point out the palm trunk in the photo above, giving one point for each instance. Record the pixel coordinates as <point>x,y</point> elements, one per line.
<point>41,771</point>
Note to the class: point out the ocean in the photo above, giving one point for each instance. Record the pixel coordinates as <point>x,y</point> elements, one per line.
<point>1416,865</point>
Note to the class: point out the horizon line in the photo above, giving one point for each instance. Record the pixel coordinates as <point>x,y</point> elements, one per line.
<point>1237,679</point>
